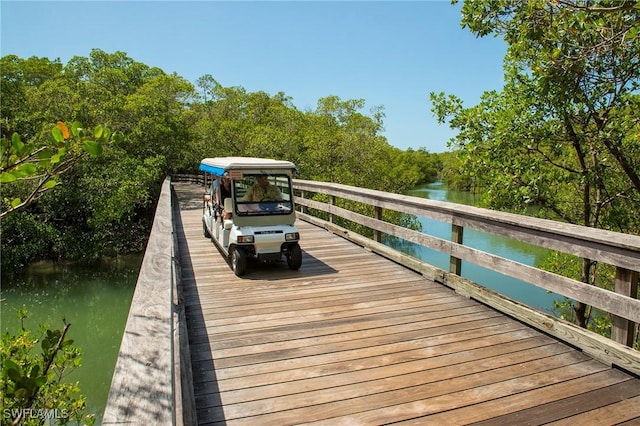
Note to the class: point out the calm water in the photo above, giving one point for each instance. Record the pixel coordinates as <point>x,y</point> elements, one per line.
<point>95,300</point>
<point>504,247</point>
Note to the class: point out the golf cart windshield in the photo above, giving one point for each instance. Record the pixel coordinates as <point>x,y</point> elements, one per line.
<point>263,194</point>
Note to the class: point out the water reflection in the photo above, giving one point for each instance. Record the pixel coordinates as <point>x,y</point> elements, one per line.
<point>503,247</point>
<point>94,299</point>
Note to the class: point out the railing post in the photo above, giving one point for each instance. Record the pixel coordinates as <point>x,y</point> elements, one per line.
<point>333,203</point>
<point>455,264</point>
<point>626,283</point>
<point>377,235</point>
<point>303,209</point>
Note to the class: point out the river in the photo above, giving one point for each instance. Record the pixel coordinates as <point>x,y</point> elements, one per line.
<point>94,299</point>
<point>500,246</point>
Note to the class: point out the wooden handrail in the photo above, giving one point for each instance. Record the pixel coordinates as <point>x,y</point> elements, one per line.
<point>617,249</point>
<point>151,383</point>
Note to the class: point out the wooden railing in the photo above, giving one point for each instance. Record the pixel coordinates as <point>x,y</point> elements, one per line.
<point>200,179</point>
<point>152,383</point>
<point>619,250</point>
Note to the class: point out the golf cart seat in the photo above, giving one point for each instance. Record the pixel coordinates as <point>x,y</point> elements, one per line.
<point>228,207</point>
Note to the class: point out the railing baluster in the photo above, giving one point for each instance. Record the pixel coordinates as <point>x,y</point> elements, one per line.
<point>377,235</point>
<point>455,264</point>
<point>333,203</point>
<point>303,209</point>
<point>626,283</point>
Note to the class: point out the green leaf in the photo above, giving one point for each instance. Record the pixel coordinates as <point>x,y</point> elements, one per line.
<point>92,147</point>
<point>50,183</point>
<point>57,134</point>
<point>16,202</point>
<point>19,174</point>
<point>98,131</point>
<point>30,384</point>
<point>76,127</point>
<point>16,142</point>
<point>7,177</point>
<point>118,137</point>
<point>34,370</point>
<point>41,381</point>
<point>14,374</point>
<point>10,364</point>
<point>45,154</point>
<point>27,169</point>
<point>21,393</point>
<point>4,144</point>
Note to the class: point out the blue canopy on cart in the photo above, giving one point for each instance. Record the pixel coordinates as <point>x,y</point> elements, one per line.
<point>217,166</point>
<point>214,170</point>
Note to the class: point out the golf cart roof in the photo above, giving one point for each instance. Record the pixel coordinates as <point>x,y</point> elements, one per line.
<point>219,165</point>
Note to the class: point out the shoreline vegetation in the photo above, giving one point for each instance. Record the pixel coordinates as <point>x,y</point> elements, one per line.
<point>103,206</point>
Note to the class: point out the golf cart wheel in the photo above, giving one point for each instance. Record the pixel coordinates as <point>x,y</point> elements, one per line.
<point>239,261</point>
<point>205,231</point>
<point>294,256</point>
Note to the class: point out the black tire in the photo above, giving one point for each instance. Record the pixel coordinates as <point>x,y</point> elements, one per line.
<point>205,231</point>
<point>239,261</point>
<point>294,256</point>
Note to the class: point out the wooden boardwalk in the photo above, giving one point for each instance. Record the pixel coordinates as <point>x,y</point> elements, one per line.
<point>352,338</point>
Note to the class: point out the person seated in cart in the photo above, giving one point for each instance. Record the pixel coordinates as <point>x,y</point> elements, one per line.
<point>262,190</point>
<point>223,191</point>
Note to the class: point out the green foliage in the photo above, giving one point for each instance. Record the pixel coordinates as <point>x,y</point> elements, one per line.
<point>335,142</point>
<point>33,373</point>
<point>27,239</point>
<point>562,136</point>
<point>450,172</point>
<point>103,203</point>
<point>558,135</point>
<point>40,167</point>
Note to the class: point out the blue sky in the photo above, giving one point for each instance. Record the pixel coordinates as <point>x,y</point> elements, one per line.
<point>391,53</point>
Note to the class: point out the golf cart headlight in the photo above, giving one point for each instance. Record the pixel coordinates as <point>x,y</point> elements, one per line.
<point>245,238</point>
<point>292,236</point>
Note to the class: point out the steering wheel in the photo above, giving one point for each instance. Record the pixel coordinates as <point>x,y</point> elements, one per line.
<point>265,206</point>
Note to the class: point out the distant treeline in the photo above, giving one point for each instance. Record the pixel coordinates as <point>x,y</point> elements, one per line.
<point>104,206</point>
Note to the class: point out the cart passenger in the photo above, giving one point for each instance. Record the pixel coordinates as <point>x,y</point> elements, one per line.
<point>223,191</point>
<point>262,190</point>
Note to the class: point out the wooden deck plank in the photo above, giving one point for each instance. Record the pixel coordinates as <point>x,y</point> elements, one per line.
<point>597,403</point>
<point>400,375</point>
<point>625,412</point>
<point>352,338</point>
<point>393,402</point>
<point>448,354</point>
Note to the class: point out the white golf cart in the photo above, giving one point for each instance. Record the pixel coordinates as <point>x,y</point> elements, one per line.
<point>257,220</point>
